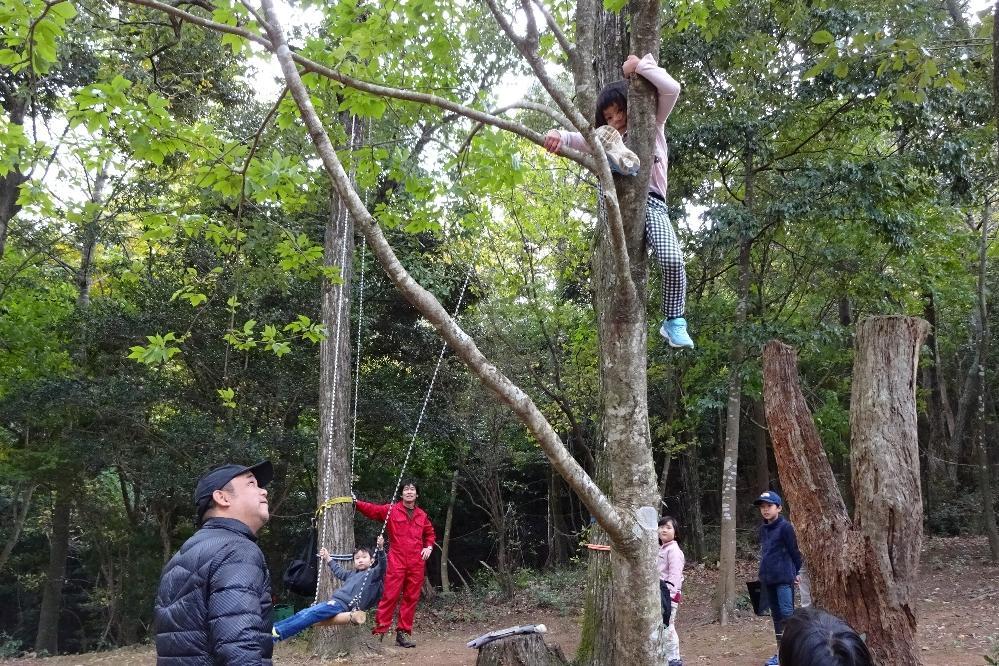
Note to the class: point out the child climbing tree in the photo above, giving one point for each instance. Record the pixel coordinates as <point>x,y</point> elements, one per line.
<point>626,513</point>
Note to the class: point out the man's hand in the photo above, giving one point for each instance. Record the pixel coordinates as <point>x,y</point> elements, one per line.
<point>553,141</point>
<point>380,542</point>
<point>797,581</point>
<point>324,555</point>
<point>425,553</point>
<point>630,65</point>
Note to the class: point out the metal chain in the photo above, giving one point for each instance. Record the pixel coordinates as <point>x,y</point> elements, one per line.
<point>416,431</point>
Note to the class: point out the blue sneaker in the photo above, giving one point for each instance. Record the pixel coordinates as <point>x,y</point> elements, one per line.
<point>621,159</point>
<point>675,332</point>
<point>772,661</point>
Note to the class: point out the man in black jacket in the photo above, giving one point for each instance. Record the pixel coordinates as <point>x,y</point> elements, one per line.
<point>214,601</point>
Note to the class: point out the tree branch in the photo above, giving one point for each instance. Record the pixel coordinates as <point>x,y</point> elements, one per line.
<point>463,345</point>
<point>365,86</point>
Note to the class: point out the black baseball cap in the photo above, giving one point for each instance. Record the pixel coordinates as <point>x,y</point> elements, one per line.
<point>218,477</point>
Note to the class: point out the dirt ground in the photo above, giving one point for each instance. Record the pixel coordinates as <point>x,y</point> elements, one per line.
<point>958,622</point>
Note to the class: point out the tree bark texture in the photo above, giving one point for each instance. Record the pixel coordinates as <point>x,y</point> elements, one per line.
<point>521,650</point>
<point>446,536</point>
<point>983,475</point>
<point>865,569</point>
<point>10,183</point>
<point>726,592</point>
<point>47,638</point>
<point>694,529</point>
<point>20,516</point>
<point>336,524</point>
<point>760,441</point>
<point>596,644</point>
<point>560,541</point>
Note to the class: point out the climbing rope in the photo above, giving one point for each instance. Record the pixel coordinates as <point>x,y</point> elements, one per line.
<point>416,431</point>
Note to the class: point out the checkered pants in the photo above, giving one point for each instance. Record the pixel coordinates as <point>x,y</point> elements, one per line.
<point>666,248</point>
<point>661,236</point>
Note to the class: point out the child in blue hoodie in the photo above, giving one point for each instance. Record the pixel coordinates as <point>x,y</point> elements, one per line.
<point>780,562</point>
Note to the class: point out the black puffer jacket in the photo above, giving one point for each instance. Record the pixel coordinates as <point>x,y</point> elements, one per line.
<point>214,602</point>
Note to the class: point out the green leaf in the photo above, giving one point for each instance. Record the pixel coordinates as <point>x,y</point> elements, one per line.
<point>822,37</point>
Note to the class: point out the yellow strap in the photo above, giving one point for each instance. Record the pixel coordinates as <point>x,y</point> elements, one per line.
<point>328,504</point>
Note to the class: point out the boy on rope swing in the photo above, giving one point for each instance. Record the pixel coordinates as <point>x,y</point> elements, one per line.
<point>412,537</point>
<point>361,590</point>
<point>612,125</point>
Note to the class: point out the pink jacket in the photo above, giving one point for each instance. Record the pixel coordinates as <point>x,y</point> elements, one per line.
<point>669,92</point>
<point>670,561</point>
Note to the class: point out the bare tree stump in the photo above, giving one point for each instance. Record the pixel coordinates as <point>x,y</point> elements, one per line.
<point>521,650</point>
<point>863,569</point>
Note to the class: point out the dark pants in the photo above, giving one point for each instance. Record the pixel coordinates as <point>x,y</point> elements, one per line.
<point>665,601</point>
<point>307,617</point>
<point>781,598</point>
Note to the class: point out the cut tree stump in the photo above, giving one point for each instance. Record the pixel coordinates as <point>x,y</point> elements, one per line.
<point>864,568</point>
<point>521,650</point>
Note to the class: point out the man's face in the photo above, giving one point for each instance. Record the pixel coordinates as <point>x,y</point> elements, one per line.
<point>769,511</point>
<point>246,501</point>
<point>409,494</point>
<point>362,560</point>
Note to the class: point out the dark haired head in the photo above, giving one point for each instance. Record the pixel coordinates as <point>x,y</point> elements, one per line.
<point>363,549</point>
<point>668,520</point>
<point>409,482</point>
<point>813,636</point>
<point>616,94</point>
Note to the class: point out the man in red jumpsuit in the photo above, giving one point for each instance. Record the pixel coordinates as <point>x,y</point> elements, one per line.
<point>411,540</point>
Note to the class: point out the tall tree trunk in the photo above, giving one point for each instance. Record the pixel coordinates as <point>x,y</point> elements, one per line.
<point>663,477</point>
<point>868,565</point>
<point>10,183</point>
<point>691,479</point>
<point>445,542</point>
<point>760,439</point>
<point>940,419</point>
<point>984,475</point>
<point>20,516</point>
<point>336,524</point>
<point>596,644</point>
<point>47,638</point>
<point>726,592</point>
<point>632,587</point>
<point>559,530</point>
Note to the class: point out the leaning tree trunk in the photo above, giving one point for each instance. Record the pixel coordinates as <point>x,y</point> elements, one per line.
<point>336,524</point>
<point>865,569</point>
<point>47,638</point>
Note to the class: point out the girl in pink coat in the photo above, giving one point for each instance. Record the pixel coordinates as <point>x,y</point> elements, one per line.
<point>612,112</point>
<point>670,561</point>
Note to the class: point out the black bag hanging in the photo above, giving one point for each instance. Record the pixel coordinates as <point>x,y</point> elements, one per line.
<point>302,574</point>
<point>665,601</point>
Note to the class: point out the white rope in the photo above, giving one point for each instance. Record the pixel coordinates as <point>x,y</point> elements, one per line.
<point>416,431</point>
<point>357,360</point>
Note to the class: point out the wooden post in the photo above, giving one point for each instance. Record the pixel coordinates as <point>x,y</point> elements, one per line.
<point>863,569</point>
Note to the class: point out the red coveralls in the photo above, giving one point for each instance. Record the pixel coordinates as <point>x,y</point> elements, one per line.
<point>408,535</point>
